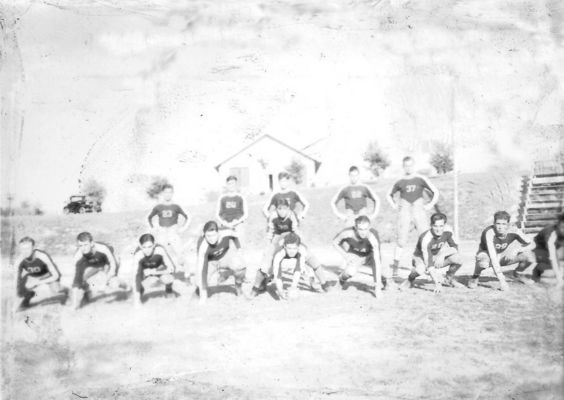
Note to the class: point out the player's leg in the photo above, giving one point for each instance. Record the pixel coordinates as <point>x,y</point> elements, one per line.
<point>233,262</point>
<point>350,217</point>
<point>420,217</point>
<point>524,260</point>
<point>543,262</point>
<point>403,225</point>
<point>51,290</point>
<point>482,262</point>
<point>454,263</point>
<point>418,268</point>
<point>318,270</point>
<point>352,265</point>
<point>24,293</point>
<point>79,285</point>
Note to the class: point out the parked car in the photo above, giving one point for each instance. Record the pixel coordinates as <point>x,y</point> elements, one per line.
<point>81,204</point>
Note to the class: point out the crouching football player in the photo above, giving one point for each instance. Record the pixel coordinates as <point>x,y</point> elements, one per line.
<point>360,246</point>
<point>220,251</point>
<point>153,265</point>
<point>37,274</point>
<point>549,251</point>
<point>96,269</point>
<point>496,250</point>
<point>293,250</point>
<point>435,252</point>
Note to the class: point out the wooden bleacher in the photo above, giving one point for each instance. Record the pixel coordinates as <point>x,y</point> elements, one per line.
<point>542,195</point>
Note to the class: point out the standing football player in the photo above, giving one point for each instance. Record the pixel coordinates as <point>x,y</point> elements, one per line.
<point>355,196</point>
<point>232,208</point>
<point>169,227</point>
<point>291,196</point>
<point>410,205</point>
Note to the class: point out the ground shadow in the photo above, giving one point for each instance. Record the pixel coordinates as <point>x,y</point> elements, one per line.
<point>117,296</point>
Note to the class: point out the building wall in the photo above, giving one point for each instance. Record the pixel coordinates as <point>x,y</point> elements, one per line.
<point>266,157</point>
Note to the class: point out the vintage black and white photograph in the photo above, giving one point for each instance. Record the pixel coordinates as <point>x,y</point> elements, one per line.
<point>282,199</point>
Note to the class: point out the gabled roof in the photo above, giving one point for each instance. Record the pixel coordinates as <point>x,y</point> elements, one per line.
<point>317,163</point>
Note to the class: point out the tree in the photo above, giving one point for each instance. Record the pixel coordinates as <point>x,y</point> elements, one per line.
<point>95,190</point>
<point>376,159</point>
<point>156,186</point>
<point>441,158</point>
<point>296,170</point>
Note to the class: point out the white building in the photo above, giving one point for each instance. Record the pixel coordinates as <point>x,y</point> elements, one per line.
<point>257,165</point>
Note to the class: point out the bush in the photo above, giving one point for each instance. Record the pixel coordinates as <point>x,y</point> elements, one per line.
<point>95,190</point>
<point>296,170</point>
<point>441,158</point>
<point>376,159</point>
<point>156,186</point>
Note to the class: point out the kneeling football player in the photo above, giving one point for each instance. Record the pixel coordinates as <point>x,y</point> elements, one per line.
<point>96,269</point>
<point>549,251</point>
<point>294,250</point>
<point>37,274</point>
<point>497,248</point>
<point>360,246</point>
<point>436,254</point>
<point>220,251</point>
<point>153,264</point>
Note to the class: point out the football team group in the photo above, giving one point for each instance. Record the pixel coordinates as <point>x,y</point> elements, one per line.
<point>218,251</point>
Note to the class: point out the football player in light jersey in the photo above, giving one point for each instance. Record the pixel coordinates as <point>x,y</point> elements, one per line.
<point>96,269</point>
<point>410,205</point>
<point>292,249</point>
<point>355,196</point>
<point>219,251</point>
<point>360,246</point>
<point>36,274</point>
<point>292,196</point>
<point>152,263</point>
<point>232,208</point>
<point>495,250</point>
<point>549,251</point>
<point>169,227</point>
<point>436,254</point>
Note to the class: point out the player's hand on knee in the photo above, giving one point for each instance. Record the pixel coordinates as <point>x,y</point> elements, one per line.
<point>438,288</point>
<point>503,286</point>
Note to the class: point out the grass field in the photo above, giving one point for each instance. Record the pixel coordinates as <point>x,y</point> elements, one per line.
<point>460,344</point>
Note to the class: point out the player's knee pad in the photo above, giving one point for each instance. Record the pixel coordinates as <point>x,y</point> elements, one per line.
<point>455,259</point>
<point>526,257</point>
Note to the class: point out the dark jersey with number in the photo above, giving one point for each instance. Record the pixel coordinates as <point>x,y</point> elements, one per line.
<point>433,244</point>
<point>96,259</point>
<point>231,207</point>
<point>547,234</point>
<point>412,188</point>
<point>215,252</point>
<point>355,197</point>
<point>33,265</point>
<point>292,197</point>
<point>168,214</point>
<point>351,242</point>
<point>501,243</point>
<point>155,260</point>
<point>281,226</point>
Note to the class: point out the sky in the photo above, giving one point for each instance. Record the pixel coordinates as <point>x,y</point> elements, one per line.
<point>120,91</point>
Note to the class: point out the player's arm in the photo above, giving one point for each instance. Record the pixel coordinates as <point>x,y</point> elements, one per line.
<point>136,266</point>
<point>446,251</point>
<point>434,192</point>
<point>219,212</point>
<point>337,243</point>
<point>267,205</point>
<point>526,242</point>
<point>111,269</point>
<point>551,245</point>
<point>270,229</point>
<point>170,267</point>
<point>372,196</point>
<point>151,215</point>
<point>377,264</point>
<point>20,272</point>
<point>276,263</point>
<point>294,219</point>
<point>201,263</point>
<point>338,197</point>
<point>305,205</point>
<point>390,196</point>
<point>245,215</point>
<point>186,219</point>
<point>55,275</point>
<point>494,259</point>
